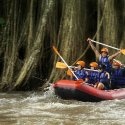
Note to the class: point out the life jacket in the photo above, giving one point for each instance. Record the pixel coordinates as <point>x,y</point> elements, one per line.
<point>118,76</point>
<point>93,77</point>
<point>103,78</point>
<point>105,60</point>
<point>81,74</point>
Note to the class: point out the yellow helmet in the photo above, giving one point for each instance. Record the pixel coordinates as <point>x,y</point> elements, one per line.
<point>104,50</point>
<point>94,64</point>
<point>118,63</point>
<point>82,63</point>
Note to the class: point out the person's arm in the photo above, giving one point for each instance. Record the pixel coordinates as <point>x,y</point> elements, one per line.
<point>108,75</point>
<point>93,48</point>
<point>123,66</point>
<point>114,55</point>
<point>86,80</point>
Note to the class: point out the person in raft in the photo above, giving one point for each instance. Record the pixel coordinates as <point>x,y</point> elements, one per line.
<point>93,76</point>
<point>117,75</point>
<point>103,57</point>
<point>104,78</point>
<point>79,71</point>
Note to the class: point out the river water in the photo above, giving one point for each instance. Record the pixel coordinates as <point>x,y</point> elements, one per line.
<point>37,108</point>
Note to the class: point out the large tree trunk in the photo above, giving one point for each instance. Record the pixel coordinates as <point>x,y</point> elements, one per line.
<point>11,47</point>
<point>68,37</point>
<point>31,61</point>
<point>73,32</point>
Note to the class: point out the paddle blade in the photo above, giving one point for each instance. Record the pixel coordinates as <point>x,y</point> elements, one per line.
<point>60,65</point>
<point>123,51</point>
<point>69,73</point>
<point>55,50</point>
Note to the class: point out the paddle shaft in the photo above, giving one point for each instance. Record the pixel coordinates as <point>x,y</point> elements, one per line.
<point>64,62</point>
<point>91,70</point>
<point>105,45</point>
<point>85,69</point>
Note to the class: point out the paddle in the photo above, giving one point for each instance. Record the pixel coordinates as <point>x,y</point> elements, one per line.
<point>69,73</point>
<point>122,50</point>
<point>61,65</point>
<point>56,51</point>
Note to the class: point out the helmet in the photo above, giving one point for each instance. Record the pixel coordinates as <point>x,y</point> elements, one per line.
<point>94,64</point>
<point>104,50</point>
<point>82,63</point>
<point>116,63</point>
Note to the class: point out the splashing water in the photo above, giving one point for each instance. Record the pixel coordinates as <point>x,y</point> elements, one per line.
<point>36,108</point>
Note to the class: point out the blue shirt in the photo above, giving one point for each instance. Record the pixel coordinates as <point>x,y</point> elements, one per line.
<point>81,74</point>
<point>93,77</point>
<point>118,76</point>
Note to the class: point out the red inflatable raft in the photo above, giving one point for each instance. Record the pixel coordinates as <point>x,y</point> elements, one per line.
<point>68,89</point>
